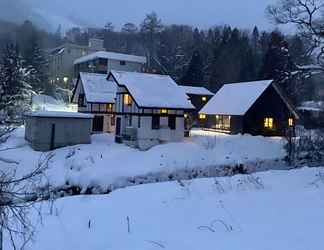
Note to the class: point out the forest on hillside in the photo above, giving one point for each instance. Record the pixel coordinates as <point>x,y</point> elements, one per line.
<point>192,56</point>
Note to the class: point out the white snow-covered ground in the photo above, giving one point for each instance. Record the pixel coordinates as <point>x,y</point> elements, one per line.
<point>274,210</point>
<point>105,164</point>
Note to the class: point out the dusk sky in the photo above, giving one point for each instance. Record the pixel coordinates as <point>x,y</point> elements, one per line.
<point>201,13</point>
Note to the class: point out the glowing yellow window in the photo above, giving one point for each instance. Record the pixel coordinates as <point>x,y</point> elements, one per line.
<point>186,116</point>
<point>204,99</point>
<point>290,122</point>
<point>164,111</point>
<point>268,122</point>
<point>109,107</point>
<point>202,116</point>
<point>127,99</point>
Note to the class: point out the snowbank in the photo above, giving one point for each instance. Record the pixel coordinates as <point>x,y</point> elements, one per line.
<point>105,165</point>
<point>269,211</point>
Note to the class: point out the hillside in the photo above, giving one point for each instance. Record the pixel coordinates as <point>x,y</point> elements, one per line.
<point>269,211</point>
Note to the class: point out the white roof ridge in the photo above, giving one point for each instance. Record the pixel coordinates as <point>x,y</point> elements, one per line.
<point>236,98</point>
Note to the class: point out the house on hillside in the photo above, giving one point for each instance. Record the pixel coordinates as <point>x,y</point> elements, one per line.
<point>103,61</point>
<point>149,109</point>
<point>257,108</point>
<point>61,59</point>
<point>95,95</point>
<point>199,96</point>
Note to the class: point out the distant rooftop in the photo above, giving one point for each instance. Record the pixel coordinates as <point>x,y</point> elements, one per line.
<point>111,56</point>
<point>190,90</point>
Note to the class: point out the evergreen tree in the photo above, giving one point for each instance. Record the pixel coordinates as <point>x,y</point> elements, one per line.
<point>37,71</point>
<point>195,74</point>
<point>15,91</point>
<point>277,62</point>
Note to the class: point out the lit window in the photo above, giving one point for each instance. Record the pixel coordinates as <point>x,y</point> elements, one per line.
<point>122,63</point>
<point>109,107</point>
<point>65,79</point>
<point>290,122</point>
<point>186,116</point>
<point>127,99</point>
<point>202,116</point>
<point>268,122</point>
<point>204,99</point>
<point>164,111</point>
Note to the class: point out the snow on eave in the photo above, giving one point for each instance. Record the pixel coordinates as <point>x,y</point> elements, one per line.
<point>191,90</point>
<point>60,114</point>
<point>111,56</point>
<point>235,98</point>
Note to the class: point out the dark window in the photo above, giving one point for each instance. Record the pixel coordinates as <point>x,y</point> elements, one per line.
<point>172,122</point>
<point>98,124</point>
<point>113,120</point>
<point>155,122</point>
<point>81,100</point>
<point>123,63</point>
<point>103,61</point>
<point>139,122</point>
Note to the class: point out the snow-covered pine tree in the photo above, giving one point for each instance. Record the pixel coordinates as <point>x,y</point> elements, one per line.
<point>15,91</point>
<point>36,67</point>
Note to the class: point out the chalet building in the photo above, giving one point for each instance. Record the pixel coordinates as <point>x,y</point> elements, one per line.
<point>199,96</point>
<point>149,109</point>
<point>102,62</point>
<point>257,108</point>
<point>95,95</point>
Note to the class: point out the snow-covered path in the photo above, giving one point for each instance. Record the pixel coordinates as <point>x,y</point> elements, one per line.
<point>104,164</point>
<point>274,210</point>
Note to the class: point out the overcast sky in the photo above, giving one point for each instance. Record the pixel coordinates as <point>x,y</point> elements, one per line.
<point>201,13</point>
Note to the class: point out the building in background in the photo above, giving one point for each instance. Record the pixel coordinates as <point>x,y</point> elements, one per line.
<point>103,62</point>
<point>95,95</point>
<point>61,59</point>
<point>199,96</point>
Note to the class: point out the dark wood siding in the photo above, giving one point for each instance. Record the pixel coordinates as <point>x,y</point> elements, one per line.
<point>269,105</point>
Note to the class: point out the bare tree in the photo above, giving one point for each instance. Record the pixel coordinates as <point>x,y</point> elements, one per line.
<point>18,196</point>
<point>307,16</point>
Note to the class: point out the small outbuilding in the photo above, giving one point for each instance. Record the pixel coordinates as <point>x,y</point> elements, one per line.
<point>257,108</point>
<point>47,130</point>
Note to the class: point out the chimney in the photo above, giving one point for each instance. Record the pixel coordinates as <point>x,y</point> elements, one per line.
<point>96,44</point>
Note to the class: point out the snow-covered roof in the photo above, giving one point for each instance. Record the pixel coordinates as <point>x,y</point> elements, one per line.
<point>236,98</point>
<point>111,56</point>
<point>190,90</point>
<point>60,114</point>
<point>153,91</point>
<point>312,106</point>
<point>97,88</point>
